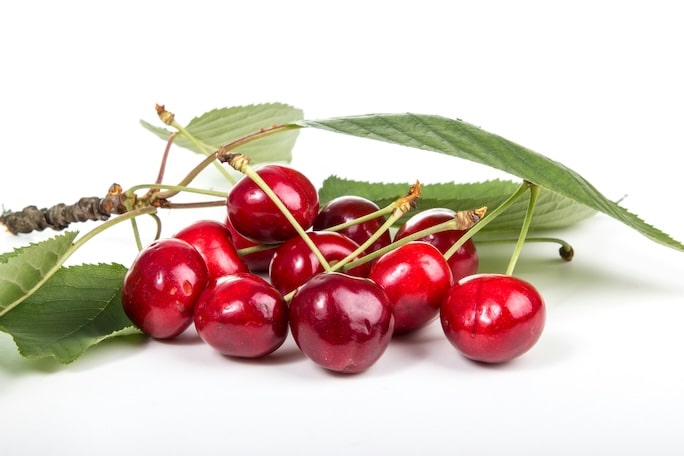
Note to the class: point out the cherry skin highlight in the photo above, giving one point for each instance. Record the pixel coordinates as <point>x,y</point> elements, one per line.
<point>214,242</point>
<point>416,278</point>
<point>253,214</point>
<point>242,315</point>
<point>464,261</point>
<point>294,263</point>
<point>341,322</point>
<point>344,209</point>
<point>162,286</point>
<point>493,318</point>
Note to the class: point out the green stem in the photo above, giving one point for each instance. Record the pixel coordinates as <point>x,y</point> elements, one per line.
<point>109,223</point>
<point>485,221</point>
<point>206,149</point>
<point>534,194</point>
<point>252,174</point>
<point>136,234</point>
<point>364,218</point>
<point>566,251</point>
<point>175,189</point>
<point>444,226</point>
<point>256,248</point>
<point>224,150</point>
<point>396,215</point>
<point>191,175</point>
<point>74,247</point>
<point>261,133</point>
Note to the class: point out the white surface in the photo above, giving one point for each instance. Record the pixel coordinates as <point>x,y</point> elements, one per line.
<point>594,85</point>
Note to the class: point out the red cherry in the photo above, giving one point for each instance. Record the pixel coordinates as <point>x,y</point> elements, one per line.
<point>341,322</point>
<point>242,315</point>
<point>294,263</point>
<point>416,278</point>
<point>161,287</point>
<point>253,214</point>
<point>256,261</point>
<point>344,209</point>
<point>493,318</point>
<point>214,242</point>
<point>464,262</point>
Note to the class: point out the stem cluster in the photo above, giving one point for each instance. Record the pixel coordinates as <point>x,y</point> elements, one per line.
<point>158,194</point>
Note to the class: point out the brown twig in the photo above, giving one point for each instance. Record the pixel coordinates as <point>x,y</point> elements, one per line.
<point>59,216</point>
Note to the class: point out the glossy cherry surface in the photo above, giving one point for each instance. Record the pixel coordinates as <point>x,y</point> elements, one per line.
<point>416,278</point>
<point>294,263</point>
<point>341,322</point>
<point>465,261</point>
<point>214,242</point>
<point>242,315</point>
<point>344,209</point>
<point>257,261</point>
<point>493,318</point>
<point>254,214</point>
<point>161,287</point>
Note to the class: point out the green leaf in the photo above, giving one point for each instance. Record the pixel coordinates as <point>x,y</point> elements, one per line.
<point>463,140</point>
<point>24,270</point>
<point>552,211</point>
<point>77,308</point>
<point>222,126</point>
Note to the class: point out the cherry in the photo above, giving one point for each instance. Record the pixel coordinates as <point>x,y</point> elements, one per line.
<point>161,287</point>
<point>294,263</point>
<point>493,318</point>
<point>464,261</point>
<point>214,242</point>
<point>242,315</point>
<point>416,278</point>
<point>256,261</point>
<point>344,209</point>
<point>254,214</point>
<point>341,322</point>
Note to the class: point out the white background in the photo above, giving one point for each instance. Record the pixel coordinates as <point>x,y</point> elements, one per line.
<point>594,85</point>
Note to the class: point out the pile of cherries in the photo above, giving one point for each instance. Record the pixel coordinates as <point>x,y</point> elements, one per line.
<point>248,281</point>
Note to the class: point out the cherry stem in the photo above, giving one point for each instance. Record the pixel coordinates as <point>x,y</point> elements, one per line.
<point>566,251</point>
<point>169,119</point>
<point>223,152</point>
<point>364,218</point>
<point>240,162</point>
<point>534,194</point>
<point>486,220</point>
<point>175,189</point>
<point>165,157</point>
<point>399,207</point>
<point>256,248</point>
<point>460,222</point>
<point>136,234</point>
<point>362,248</point>
<point>78,244</point>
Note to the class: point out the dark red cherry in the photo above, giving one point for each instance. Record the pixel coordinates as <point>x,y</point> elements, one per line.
<point>162,286</point>
<point>214,242</point>
<point>254,214</point>
<point>493,318</point>
<point>465,261</point>
<point>341,322</point>
<point>294,263</point>
<point>257,261</point>
<point>344,209</point>
<point>242,315</point>
<point>416,278</point>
